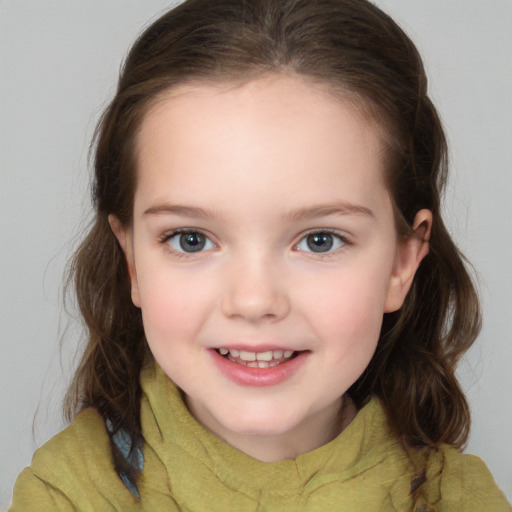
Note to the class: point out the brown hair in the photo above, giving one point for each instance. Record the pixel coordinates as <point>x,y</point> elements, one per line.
<point>358,51</point>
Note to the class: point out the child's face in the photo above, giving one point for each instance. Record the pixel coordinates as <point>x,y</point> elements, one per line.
<point>286,242</point>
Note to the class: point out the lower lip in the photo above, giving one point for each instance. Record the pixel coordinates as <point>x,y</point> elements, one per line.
<point>259,377</point>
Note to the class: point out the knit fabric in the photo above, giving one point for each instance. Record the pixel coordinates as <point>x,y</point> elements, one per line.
<point>188,468</point>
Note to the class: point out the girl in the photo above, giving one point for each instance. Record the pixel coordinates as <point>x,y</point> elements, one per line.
<point>275,309</point>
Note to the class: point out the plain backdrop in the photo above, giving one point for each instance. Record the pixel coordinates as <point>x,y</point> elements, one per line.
<point>58,65</point>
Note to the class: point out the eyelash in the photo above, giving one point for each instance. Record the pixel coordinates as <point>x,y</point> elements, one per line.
<point>166,237</point>
<point>344,242</point>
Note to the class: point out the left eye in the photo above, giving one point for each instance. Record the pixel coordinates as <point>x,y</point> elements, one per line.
<point>190,241</point>
<point>320,242</point>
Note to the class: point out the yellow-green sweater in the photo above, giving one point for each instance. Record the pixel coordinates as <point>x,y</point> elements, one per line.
<point>188,468</point>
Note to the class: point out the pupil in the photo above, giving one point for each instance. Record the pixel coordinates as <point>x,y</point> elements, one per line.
<point>320,242</point>
<point>192,242</point>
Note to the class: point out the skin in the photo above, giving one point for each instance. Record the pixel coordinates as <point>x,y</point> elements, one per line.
<point>267,162</point>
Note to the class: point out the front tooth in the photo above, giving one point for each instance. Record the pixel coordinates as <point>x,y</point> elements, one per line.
<point>247,356</point>
<point>234,352</point>
<point>237,361</point>
<point>252,364</point>
<point>288,353</point>
<point>278,354</point>
<point>263,364</point>
<point>223,351</point>
<point>264,356</point>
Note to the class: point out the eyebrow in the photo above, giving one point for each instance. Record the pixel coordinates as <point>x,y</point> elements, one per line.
<point>301,214</point>
<point>324,210</point>
<point>181,211</point>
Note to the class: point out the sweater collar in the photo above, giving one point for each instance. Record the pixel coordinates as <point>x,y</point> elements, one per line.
<point>168,428</point>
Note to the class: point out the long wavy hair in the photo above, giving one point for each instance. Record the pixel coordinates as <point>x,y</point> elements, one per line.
<point>358,52</point>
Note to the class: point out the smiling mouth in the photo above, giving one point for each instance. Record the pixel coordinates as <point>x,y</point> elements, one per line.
<point>267,359</point>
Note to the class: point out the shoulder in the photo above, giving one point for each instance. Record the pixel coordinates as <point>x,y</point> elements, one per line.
<point>79,449</point>
<point>86,430</point>
<point>73,471</point>
<point>462,482</point>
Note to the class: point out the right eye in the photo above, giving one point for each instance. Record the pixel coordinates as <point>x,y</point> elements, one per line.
<point>321,242</point>
<point>189,241</point>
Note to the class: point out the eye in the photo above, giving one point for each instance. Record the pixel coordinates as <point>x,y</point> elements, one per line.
<point>321,241</point>
<point>189,241</point>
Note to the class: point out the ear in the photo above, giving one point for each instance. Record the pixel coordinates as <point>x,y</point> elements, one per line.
<point>407,260</point>
<point>125,238</point>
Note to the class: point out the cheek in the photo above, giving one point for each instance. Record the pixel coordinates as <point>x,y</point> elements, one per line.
<point>173,305</point>
<point>348,306</point>
<point>347,320</point>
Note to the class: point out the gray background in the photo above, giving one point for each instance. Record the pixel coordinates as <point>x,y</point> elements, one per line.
<point>58,65</point>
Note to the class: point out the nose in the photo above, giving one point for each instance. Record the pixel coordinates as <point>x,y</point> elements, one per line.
<point>255,292</point>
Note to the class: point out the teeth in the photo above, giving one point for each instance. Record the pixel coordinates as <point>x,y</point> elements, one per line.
<point>247,356</point>
<point>238,361</point>
<point>264,356</point>
<point>256,359</point>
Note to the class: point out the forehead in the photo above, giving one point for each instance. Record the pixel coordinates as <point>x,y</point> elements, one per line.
<point>279,98</point>
<point>278,127</point>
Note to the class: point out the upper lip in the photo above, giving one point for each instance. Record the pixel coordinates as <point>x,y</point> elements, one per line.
<point>255,348</point>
